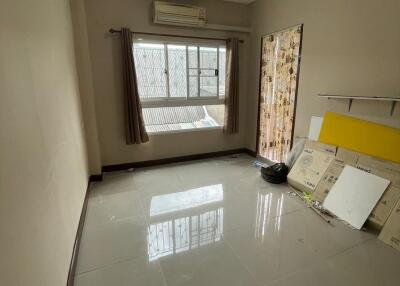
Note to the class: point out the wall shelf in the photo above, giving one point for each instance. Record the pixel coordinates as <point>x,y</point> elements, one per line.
<point>394,100</point>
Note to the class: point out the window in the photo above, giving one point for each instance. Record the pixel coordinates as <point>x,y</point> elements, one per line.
<point>181,85</point>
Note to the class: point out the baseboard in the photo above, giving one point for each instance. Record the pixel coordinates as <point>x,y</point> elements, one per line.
<point>141,164</point>
<point>251,152</point>
<point>96,178</point>
<point>75,253</point>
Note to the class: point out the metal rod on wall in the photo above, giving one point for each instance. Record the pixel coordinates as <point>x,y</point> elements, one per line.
<point>113,31</point>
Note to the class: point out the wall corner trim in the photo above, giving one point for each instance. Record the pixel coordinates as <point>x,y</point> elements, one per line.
<point>75,252</point>
<point>96,178</point>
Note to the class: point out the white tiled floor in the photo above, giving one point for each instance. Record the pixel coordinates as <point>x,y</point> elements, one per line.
<point>216,222</point>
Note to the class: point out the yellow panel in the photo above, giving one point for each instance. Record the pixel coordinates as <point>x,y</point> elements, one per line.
<point>362,136</point>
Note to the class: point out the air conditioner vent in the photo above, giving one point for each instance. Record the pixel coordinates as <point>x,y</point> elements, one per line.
<point>178,14</point>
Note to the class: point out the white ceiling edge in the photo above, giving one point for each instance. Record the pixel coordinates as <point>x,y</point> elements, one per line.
<point>241,1</point>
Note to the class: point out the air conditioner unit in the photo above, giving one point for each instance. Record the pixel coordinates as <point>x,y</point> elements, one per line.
<point>178,14</point>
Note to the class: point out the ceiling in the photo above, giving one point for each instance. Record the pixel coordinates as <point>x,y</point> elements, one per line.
<point>241,1</point>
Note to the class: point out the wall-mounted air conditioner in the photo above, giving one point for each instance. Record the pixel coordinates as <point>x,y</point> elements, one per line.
<point>178,14</point>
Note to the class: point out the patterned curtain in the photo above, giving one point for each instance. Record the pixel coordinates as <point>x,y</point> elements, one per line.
<point>279,66</point>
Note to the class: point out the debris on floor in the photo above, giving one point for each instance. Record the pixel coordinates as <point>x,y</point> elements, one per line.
<point>309,168</point>
<point>259,164</point>
<point>315,206</point>
<point>352,185</point>
<point>354,195</point>
<point>390,233</point>
<point>275,174</point>
<point>295,153</point>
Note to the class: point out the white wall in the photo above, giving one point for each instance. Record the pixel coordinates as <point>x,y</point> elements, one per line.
<point>84,69</point>
<point>349,47</point>
<point>105,54</point>
<point>43,166</point>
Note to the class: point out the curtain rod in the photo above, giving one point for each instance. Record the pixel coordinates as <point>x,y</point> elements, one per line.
<point>113,31</point>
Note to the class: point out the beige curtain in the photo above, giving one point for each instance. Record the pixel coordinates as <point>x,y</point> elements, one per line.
<point>135,131</point>
<point>279,66</point>
<point>232,87</point>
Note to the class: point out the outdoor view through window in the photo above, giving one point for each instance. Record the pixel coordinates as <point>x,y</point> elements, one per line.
<point>181,86</point>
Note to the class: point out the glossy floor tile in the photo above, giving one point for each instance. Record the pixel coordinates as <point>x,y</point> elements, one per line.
<point>217,222</point>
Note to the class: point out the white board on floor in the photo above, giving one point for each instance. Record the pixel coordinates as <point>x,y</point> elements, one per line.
<point>315,127</point>
<point>354,195</point>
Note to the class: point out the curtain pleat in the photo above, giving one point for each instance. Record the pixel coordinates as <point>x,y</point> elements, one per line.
<point>135,131</point>
<point>232,87</point>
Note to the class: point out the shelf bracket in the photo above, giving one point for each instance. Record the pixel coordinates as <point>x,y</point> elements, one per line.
<point>393,107</point>
<point>350,103</point>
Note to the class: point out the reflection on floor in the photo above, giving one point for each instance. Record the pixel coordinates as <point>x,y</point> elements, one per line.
<point>186,233</point>
<point>166,237</point>
<point>186,200</point>
<point>216,222</point>
<point>264,215</point>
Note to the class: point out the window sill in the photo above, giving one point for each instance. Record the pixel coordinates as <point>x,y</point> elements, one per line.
<point>185,130</point>
<point>176,102</point>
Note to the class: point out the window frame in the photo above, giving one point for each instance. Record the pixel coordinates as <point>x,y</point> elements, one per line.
<point>198,100</point>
